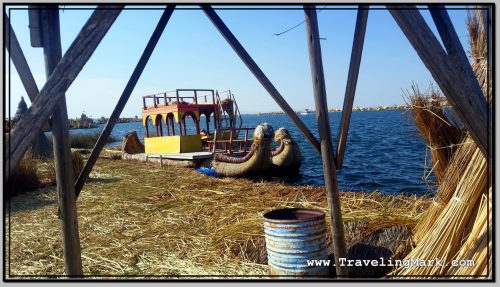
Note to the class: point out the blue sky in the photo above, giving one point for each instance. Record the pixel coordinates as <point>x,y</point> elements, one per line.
<point>192,54</point>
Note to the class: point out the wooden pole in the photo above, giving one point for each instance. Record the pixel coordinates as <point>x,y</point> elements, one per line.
<point>487,19</point>
<point>352,79</point>
<point>62,149</point>
<point>19,60</point>
<point>27,79</point>
<point>63,75</point>
<point>325,136</point>
<point>456,85</point>
<point>252,66</point>
<point>115,115</point>
<point>456,52</point>
<point>453,46</point>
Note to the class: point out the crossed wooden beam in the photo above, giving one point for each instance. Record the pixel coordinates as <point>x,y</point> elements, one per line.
<point>449,68</point>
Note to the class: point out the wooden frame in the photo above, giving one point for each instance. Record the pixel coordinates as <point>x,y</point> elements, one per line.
<point>325,135</point>
<point>352,80</point>
<point>134,78</point>
<point>448,68</point>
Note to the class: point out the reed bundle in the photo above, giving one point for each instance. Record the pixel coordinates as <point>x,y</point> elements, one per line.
<point>457,225</point>
<point>24,176</point>
<point>439,133</point>
<point>451,178</point>
<point>478,40</point>
<point>478,246</point>
<point>444,239</point>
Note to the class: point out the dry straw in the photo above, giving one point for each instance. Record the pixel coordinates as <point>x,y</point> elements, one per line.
<point>137,219</point>
<point>447,188</point>
<point>444,239</point>
<point>441,136</point>
<point>478,246</point>
<point>479,50</point>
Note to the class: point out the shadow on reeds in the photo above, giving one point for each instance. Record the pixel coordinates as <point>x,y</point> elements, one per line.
<point>23,177</point>
<point>28,201</point>
<point>369,252</point>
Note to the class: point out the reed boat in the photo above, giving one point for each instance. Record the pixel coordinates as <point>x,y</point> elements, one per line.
<point>172,124</point>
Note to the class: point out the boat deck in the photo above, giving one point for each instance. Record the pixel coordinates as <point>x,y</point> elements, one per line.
<point>182,156</point>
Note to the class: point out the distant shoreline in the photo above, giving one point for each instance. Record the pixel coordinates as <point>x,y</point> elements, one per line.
<point>357,109</point>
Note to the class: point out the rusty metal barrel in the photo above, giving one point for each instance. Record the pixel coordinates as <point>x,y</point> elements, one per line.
<point>296,242</point>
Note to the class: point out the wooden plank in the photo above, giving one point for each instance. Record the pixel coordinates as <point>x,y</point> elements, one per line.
<point>36,36</point>
<point>470,106</point>
<point>325,136</point>
<point>62,149</point>
<point>115,115</point>
<point>352,80</point>
<point>27,79</point>
<point>64,74</point>
<point>454,47</point>
<point>19,60</point>
<point>456,52</point>
<point>185,156</point>
<point>254,68</point>
<point>487,18</point>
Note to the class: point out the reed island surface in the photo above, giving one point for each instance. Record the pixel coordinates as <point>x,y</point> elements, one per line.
<point>139,219</point>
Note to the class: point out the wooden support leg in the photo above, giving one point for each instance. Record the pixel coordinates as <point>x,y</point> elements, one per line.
<point>115,115</point>
<point>352,79</point>
<point>261,77</point>
<point>64,74</point>
<point>62,150</point>
<point>41,146</point>
<point>325,135</point>
<point>456,84</point>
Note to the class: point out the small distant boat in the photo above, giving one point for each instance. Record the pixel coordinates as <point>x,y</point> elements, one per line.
<point>306,112</point>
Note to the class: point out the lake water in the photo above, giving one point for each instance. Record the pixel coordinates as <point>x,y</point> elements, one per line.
<point>384,151</point>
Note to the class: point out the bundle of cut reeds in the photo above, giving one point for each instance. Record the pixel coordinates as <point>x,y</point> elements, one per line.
<point>439,133</point>
<point>479,50</point>
<point>457,225</point>
<point>444,239</point>
<point>451,177</point>
<point>475,255</point>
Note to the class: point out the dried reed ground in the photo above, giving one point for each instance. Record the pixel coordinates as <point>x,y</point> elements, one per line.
<point>136,219</point>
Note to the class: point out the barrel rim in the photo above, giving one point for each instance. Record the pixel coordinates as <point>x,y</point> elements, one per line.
<point>308,213</point>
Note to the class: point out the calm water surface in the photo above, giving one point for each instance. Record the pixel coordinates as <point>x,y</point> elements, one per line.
<point>384,151</point>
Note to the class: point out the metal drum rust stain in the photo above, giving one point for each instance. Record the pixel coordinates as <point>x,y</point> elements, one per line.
<point>294,236</point>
